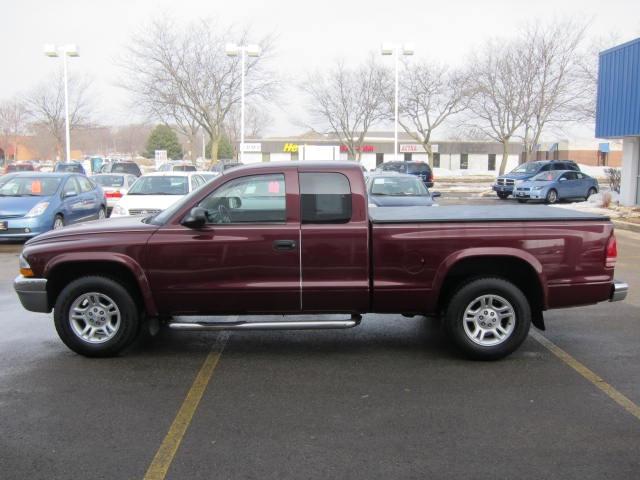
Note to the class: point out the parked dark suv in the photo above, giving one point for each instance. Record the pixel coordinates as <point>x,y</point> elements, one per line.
<point>505,184</point>
<point>420,169</point>
<point>130,168</point>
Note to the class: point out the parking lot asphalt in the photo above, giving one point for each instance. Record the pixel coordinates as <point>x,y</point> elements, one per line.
<point>389,399</point>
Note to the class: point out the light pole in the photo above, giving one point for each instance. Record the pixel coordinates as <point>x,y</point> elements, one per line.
<point>396,50</point>
<point>70,50</point>
<point>233,50</point>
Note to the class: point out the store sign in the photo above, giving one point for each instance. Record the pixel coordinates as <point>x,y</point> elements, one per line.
<point>416,148</point>
<point>252,147</point>
<point>362,149</point>
<point>290,148</point>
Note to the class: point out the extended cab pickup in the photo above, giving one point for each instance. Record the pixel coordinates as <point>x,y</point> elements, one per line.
<point>290,238</point>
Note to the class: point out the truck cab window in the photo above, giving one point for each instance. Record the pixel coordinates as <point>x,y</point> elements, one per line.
<point>325,198</point>
<point>252,199</point>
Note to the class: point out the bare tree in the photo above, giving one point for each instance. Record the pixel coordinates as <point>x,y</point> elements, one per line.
<point>502,92</point>
<point>348,101</point>
<point>13,123</point>
<point>46,106</point>
<point>183,73</point>
<point>557,93</point>
<point>429,95</point>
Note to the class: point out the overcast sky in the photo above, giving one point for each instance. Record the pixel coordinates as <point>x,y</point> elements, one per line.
<point>310,34</point>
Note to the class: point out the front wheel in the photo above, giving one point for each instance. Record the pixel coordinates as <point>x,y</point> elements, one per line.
<point>552,197</point>
<point>96,317</point>
<point>488,318</point>
<point>58,222</point>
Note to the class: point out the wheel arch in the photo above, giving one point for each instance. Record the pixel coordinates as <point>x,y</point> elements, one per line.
<point>67,267</point>
<point>517,266</point>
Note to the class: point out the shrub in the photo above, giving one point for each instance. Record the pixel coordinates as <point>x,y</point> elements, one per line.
<point>613,175</point>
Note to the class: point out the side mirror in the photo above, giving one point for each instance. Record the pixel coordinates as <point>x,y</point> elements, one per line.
<point>436,194</point>
<point>234,202</point>
<point>70,194</point>
<point>196,218</point>
<point>562,179</point>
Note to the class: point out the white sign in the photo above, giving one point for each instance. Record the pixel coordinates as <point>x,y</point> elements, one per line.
<point>411,148</point>
<point>251,147</point>
<point>160,157</point>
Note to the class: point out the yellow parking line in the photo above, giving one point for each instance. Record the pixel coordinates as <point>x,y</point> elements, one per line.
<point>609,390</point>
<point>164,456</point>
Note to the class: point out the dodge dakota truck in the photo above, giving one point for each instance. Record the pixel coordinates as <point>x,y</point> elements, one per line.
<point>299,237</point>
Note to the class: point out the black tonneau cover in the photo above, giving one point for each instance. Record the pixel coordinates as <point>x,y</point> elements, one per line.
<point>479,213</point>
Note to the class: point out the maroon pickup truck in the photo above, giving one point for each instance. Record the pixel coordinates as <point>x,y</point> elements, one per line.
<point>291,238</point>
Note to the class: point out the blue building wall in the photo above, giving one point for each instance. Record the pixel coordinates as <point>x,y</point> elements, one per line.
<point>618,104</point>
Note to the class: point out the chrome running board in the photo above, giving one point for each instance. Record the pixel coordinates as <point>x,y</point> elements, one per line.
<point>297,325</point>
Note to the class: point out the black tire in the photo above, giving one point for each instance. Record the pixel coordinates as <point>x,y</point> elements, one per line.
<point>463,298</point>
<point>58,220</point>
<point>520,200</point>
<point>102,211</point>
<point>592,191</point>
<point>129,325</point>
<point>502,196</point>
<point>552,196</point>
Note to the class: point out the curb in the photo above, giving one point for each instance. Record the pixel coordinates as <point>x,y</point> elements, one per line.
<point>622,225</point>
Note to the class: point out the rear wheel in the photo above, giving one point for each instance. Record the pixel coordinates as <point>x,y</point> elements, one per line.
<point>592,191</point>
<point>552,196</point>
<point>96,317</point>
<point>488,318</point>
<point>102,214</point>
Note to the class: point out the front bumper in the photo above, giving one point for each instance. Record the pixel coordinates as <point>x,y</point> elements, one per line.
<point>24,228</point>
<point>32,293</point>
<point>502,188</point>
<point>619,291</point>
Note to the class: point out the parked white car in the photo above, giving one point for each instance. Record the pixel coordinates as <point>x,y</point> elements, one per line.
<point>152,193</point>
<point>114,186</point>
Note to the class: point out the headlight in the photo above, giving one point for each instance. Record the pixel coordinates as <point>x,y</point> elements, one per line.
<point>119,210</point>
<point>25,268</point>
<point>37,210</point>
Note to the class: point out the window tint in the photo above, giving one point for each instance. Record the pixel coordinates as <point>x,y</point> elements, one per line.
<point>393,167</point>
<point>125,168</point>
<point>110,180</point>
<point>253,199</point>
<point>546,168</point>
<point>572,166</point>
<point>325,198</point>
<point>85,184</point>
<point>418,168</point>
<point>580,176</point>
<point>558,166</point>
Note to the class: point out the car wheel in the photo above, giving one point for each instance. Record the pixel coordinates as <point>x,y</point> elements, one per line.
<point>58,222</point>
<point>102,214</point>
<point>552,196</point>
<point>592,191</point>
<point>488,318</point>
<point>503,196</point>
<point>96,317</point>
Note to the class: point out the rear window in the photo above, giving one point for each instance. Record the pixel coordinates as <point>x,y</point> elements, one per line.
<point>184,168</point>
<point>109,180</point>
<point>131,168</point>
<point>418,168</point>
<point>391,167</point>
<point>160,185</point>
<point>325,198</point>
<point>19,168</point>
<point>69,167</point>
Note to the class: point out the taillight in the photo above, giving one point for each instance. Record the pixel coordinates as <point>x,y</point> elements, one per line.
<point>115,194</point>
<point>612,252</point>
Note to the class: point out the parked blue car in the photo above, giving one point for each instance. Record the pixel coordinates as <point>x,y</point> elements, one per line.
<point>505,184</point>
<point>32,203</point>
<point>550,187</point>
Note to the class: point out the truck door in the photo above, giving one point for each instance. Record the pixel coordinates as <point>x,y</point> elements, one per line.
<point>334,242</point>
<point>246,259</point>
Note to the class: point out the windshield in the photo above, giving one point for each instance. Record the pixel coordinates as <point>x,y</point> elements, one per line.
<point>531,167</point>
<point>397,187</point>
<point>30,187</point>
<point>125,168</point>
<point>547,176</point>
<point>69,167</point>
<point>109,180</point>
<point>160,185</point>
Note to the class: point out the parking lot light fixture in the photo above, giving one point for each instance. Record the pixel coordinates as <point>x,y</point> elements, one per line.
<point>251,50</point>
<point>396,50</point>
<point>70,50</point>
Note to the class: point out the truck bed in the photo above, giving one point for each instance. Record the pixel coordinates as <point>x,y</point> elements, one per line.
<point>479,213</point>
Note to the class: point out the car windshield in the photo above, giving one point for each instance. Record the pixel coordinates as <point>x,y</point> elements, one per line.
<point>547,176</point>
<point>125,168</point>
<point>30,187</point>
<point>397,186</point>
<point>530,167</point>
<point>109,180</point>
<point>160,185</point>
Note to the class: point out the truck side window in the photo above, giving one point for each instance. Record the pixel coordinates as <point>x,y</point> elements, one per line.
<point>325,198</point>
<point>252,199</point>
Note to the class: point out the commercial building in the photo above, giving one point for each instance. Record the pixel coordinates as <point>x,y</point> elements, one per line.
<point>618,111</point>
